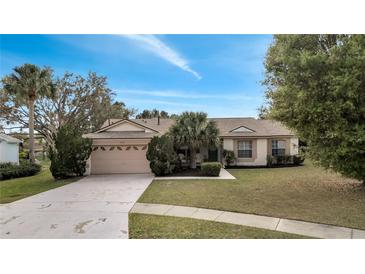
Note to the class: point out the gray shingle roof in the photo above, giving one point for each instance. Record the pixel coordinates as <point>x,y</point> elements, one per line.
<point>260,128</point>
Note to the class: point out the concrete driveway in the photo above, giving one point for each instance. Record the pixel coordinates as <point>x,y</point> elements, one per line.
<point>94,207</point>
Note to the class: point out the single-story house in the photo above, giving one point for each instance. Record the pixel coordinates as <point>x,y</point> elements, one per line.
<point>9,149</point>
<point>120,145</point>
<point>39,146</point>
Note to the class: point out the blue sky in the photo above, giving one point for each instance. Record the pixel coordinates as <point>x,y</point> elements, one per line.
<point>217,74</point>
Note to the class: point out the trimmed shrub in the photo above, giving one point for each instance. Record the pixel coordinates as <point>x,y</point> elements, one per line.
<point>280,160</point>
<point>23,155</point>
<point>270,161</point>
<point>70,153</point>
<point>6,165</point>
<point>229,157</point>
<point>162,156</point>
<point>298,159</point>
<point>283,159</point>
<point>24,169</point>
<point>211,168</point>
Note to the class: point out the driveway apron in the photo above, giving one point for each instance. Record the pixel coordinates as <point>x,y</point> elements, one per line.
<point>95,207</point>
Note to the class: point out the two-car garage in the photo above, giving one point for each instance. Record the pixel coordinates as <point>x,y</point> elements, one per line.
<point>119,156</point>
<point>120,145</point>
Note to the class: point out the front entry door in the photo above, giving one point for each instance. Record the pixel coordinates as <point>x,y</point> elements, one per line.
<point>212,155</point>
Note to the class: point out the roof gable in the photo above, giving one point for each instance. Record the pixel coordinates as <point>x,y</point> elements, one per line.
<point>242,129</point>
<point>126,125</point>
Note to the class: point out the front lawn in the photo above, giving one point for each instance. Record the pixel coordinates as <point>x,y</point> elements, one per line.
<point>19,188</point>
<point>143,226</point>
<point>304,193</point>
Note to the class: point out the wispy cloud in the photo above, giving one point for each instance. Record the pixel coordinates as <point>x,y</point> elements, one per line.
<point>188,95</point>
<point>161,49</point>
<point>164,102</point>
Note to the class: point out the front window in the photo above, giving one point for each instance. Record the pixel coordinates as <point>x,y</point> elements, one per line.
<point>278,147</point>
<point>244,149</point>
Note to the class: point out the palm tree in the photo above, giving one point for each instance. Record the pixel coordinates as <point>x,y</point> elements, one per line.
<point>27,83</point>
<point>194,130</point>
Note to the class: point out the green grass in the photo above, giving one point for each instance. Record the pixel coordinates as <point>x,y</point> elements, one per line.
<point>143,226</point>
<point>19,188</point>
<point>304,193</point>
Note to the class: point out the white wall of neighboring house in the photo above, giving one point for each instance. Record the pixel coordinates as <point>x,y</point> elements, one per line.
<point>9,152</point>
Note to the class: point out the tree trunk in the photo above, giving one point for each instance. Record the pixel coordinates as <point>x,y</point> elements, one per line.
<point>31,130</point>
<point>192,158</point>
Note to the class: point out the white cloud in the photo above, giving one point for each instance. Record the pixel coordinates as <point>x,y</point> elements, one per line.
<point>158,47</point>
<point>187,95</point>
<point>163,102</point>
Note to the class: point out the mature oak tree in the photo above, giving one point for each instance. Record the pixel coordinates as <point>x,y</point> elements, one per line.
<point>316,86</point>
<point>83,102</point>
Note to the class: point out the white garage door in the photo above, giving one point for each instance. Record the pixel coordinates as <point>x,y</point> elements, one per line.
<point>119,159</point>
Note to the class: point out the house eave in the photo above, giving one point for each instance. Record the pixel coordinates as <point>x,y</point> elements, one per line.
<point>255,136</point>
<point>120,122</point>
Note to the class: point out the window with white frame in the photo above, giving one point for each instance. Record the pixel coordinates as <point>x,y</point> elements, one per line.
<point>244,149</point>
<point>278,147</point>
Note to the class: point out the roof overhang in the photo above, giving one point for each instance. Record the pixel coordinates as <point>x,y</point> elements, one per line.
<point>255,136</point>
<point>9,139</point>
<point>124,121</point>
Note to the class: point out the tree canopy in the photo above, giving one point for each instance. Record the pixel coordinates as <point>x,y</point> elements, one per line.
<point>83,101</point>
<point>154,113</point>
<point>69,153</point>
<point>316,86</point>
<point>162,155</point>
<point>24,86</point>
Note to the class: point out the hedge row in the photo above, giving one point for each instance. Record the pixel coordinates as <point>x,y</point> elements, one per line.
<point>24,169</point>
<point>280,160</point>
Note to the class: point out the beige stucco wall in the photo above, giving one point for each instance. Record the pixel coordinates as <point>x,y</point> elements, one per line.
<point>120,141</point>
<point>294,146</point>
<point>228,144</point>
<point>259,151</point>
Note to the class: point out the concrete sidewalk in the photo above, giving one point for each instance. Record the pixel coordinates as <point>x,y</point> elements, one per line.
<point>278,224</point>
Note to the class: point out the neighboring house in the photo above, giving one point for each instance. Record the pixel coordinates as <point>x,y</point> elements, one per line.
<point>120,145</point>
<point>39,143</point>
<point>9,149</point>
